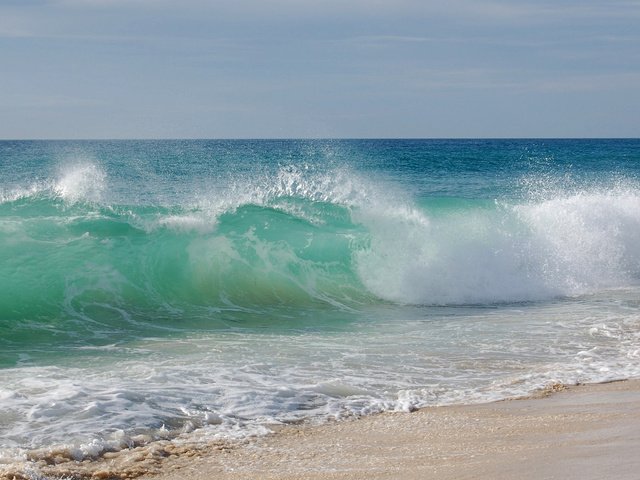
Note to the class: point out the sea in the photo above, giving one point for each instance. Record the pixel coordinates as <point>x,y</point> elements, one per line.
<point>161,289</point>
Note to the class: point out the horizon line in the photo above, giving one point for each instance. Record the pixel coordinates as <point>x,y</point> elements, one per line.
<point>143,139</point>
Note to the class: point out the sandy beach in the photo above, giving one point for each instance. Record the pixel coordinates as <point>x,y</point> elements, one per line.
<point>580,432</point>
<point>583,432</point>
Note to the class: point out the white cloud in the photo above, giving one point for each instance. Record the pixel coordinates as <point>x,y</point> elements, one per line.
<point>46,17</point>
<point>590,82</point>
<point>48,101</point>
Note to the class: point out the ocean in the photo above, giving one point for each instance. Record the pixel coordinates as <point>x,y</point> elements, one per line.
<point>210,289</point>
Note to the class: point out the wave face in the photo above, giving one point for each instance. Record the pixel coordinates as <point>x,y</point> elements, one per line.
<point>147,284</point>
<point>96,246</point>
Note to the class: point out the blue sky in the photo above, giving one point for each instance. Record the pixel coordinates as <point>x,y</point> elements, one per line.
<point>302,68</point>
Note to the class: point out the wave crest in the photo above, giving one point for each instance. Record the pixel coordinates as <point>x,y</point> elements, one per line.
<point>562,246</point>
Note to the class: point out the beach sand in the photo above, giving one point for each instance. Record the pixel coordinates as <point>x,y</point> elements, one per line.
<point>581,432</point>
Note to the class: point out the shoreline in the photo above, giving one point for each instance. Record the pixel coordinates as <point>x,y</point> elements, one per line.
<point>580,432</point>
<point>575,432</point>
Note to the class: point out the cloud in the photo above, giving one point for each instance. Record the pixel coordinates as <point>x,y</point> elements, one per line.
<point>590,82</point>
<point>148,17</point>
<point>312,58</point>
<point>20,101</point>
<point>419,80</point>
<point>476,10</point>
<point>532,12</point>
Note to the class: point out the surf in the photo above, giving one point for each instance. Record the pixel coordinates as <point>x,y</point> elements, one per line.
<point>153,290</point>
<point>297,239</point>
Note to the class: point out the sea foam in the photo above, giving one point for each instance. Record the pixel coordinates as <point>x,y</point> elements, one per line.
<point>568,245</point>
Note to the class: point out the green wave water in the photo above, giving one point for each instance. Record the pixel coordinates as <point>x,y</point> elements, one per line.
<point>81,272</point>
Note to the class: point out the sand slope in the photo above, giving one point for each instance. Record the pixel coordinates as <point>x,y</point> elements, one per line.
<point>586,432</point>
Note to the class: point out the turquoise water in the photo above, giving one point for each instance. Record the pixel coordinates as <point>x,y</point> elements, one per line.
<point>158,288</point>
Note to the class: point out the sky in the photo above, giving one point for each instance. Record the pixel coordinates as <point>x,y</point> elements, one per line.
<point>319,68</point>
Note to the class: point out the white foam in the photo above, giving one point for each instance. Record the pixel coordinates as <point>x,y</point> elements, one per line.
<point>338,186</point>
<point>17,193</point>
<point>82,181</point>
<point>191,222</point>
<point>563,246</point>
<point>230,384</point>
<point>589,240</point>
<point>75,181</point>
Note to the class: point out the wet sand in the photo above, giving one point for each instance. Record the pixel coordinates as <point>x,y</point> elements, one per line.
<point>582,432</point>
